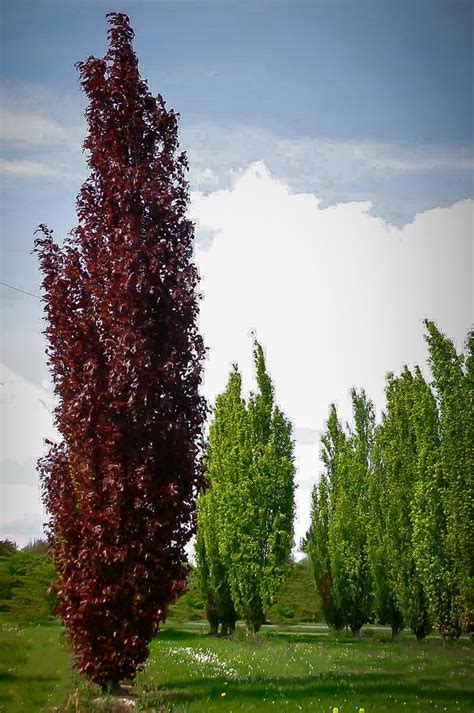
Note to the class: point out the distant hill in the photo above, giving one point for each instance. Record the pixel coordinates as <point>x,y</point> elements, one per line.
<point>297,601</point>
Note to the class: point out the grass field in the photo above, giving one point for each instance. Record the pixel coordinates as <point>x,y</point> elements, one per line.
<point>34,667</point>
<point>298,669</point>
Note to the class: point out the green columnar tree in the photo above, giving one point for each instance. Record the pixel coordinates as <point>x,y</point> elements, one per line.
<point>470,369</point>
<point>434,562</point>
<point>225,461</point>
<point>212,572</point>
<point>452,374</point>
<point>261,506</point>
<point>378,545</point>
<point>469,385</point>
<point>399,463</point>
<point>317,538</point>
<point>203,571</point>
<point>348,524</point>
<point>271,479</point>
<point>251,474</point>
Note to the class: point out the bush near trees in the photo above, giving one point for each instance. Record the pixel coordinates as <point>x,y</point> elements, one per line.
<point>7,547</point>
<point>126,359</point>
<point>392,517</point>
<point>245,517</point>
<point>27,583</point>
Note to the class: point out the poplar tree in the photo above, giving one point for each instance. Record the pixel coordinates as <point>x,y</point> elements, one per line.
<point>379,548</point>
<point>270,507</point>
<point>348,525</point>
<point>317,538</point>
<point>203,571</point>
<point>126,359</point>
<point>446,557</point>
<point>225,463</point>
<point>212,571</point>
<point>399,463</point>
<point>434,563</point>
<point>250,469</point>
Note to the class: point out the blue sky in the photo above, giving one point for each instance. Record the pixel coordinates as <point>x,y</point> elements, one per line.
<point>360,112</point>
<point>394,75</point>
<point>384,70</point>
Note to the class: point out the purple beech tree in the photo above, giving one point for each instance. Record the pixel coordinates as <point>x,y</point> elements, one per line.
<point>126,359</point>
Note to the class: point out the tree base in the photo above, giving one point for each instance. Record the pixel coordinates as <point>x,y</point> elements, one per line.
<point>123,698</point>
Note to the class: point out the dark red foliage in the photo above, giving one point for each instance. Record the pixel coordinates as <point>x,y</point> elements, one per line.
<point>126,358</point>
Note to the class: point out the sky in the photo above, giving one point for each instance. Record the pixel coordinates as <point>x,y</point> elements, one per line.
<point>331,175</point>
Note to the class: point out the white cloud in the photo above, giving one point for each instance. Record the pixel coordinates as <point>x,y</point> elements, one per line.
<point>42,131</point>
<point>25,417</point>
<point>16,473</point>
<point>216,148</point>
<point>307,436</point>
<point>335,169</point>
<point>336,296</point>
<point>40,116</point>
<point>25,412</point>
<point>307,473</point>
<point>400,179</point>
<point>379,155</point>
<point>26,169</point>
<point>23,527</point>
<point>19,125</point>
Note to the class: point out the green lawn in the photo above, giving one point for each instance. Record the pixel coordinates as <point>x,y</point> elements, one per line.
<point>301,669</point>
<point>306,669</point>
<point>34,667</point>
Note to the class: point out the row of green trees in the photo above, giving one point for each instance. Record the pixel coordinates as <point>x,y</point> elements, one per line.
<point>391,521</point>
<point>246,514</point>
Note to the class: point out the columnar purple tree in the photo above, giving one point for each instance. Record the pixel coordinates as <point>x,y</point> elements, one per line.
<point>126,358</point>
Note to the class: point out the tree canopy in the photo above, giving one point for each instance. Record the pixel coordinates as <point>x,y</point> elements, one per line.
<point>246,516</point>
<point>126,358</point>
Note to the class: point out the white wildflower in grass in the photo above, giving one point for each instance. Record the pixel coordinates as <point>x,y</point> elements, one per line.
<point>206,659</point>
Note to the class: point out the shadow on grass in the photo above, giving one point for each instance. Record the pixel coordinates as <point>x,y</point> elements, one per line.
<point>378,686</point>
<point>9,677</point>
<point>178,635</point>
<point>317,637</point>
<point>40,685</point>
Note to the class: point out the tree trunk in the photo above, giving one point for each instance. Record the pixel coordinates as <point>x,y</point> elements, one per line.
<point>228,627</point>
<point>255,626</point>
<point>115,689</point>
<point>213,620</point>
